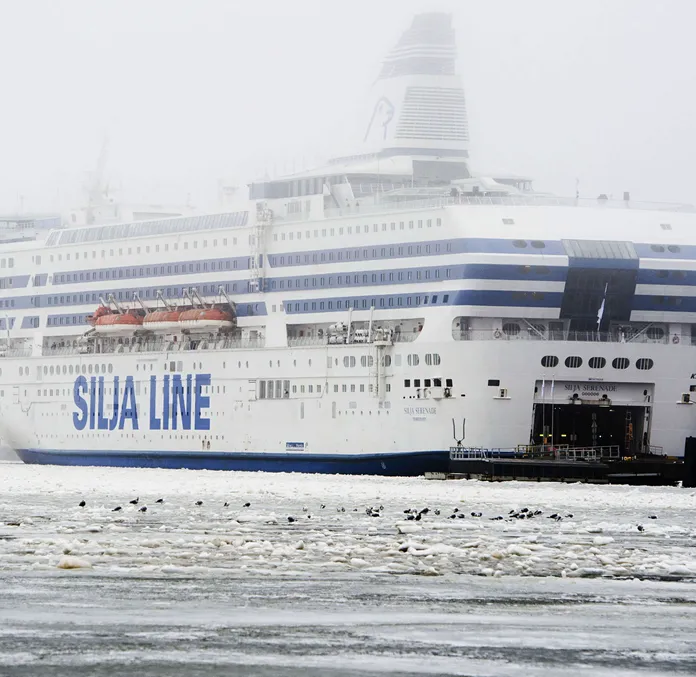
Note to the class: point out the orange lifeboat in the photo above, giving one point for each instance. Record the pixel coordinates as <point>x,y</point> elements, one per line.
<point>206,319</point>
<point>162,320</point>
<point>99,312</point>
<point>117,323</point>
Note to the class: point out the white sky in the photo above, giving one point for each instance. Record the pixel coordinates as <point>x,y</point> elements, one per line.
<point>191,91</point>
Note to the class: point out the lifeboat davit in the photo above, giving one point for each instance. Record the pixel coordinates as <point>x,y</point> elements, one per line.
<point>117,323</point>
<point>162,320</point>
<point>206,319</point>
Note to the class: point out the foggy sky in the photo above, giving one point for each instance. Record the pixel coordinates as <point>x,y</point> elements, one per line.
<point>194,91</point>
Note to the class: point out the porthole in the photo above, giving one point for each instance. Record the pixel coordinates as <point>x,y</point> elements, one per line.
<point>573,361</point>
<point>620,363</point>
<point>675,249</point>
<point>511,329</point>
<point>597,362</point>
<point>21,371</point>
<point>644,363</point>
<point>657,248</point>
<point>549,361</point>
<point>655,333</point>
<point>520,244</point>
<point>538,244</point>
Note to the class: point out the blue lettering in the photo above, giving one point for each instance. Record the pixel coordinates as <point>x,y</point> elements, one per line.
<point>114,417</point>
<point>165,403</point>
<point>92,396</point>
<point>129,407</point>
<point>179,404</point>
<point>80,419</point>
<point>202,402</point>
<point>155,423</point>
<point>102,423</point>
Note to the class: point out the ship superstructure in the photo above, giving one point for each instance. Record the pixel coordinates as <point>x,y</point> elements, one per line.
<point>357,318</point>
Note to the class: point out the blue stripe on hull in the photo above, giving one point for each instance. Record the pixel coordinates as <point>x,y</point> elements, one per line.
<point>408,463</point>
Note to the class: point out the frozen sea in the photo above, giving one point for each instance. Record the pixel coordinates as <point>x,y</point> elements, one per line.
<point>350,586</point>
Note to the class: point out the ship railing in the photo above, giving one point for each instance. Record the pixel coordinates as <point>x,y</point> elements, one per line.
<point>333,340</point>
<point>155,347</point>
<point>581,336</point>
<point>391,202</point>
<point>23,351</point>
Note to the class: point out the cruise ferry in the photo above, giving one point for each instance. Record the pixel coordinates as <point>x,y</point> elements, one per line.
<point>365,317</point>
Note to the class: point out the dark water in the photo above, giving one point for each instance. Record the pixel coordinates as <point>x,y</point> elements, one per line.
<point>82,623</point>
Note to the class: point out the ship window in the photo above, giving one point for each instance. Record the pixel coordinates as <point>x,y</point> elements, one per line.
<point>666,226</point>
<point>674,248</point>
<point>413,360</point>
<point>597,362</point>
<point>520,244</point>
<point>573,361</point>
<point>493,381</point>
<point>657,248</point>
<point>644,363</point>
<point>407,383</point>
<point>620,363</point>
<point>655,333</point>
<point>538,244</point>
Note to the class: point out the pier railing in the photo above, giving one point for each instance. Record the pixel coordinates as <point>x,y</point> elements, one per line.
<point>538,452</point>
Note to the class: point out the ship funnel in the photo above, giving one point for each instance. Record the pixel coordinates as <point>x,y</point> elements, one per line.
<point>417,105</point>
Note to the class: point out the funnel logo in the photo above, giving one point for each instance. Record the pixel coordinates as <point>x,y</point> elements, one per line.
<point>382,115</point>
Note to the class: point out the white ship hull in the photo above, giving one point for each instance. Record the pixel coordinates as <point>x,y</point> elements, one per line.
<point>401,432</point>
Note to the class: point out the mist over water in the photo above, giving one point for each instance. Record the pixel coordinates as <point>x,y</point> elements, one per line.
<point>193,93</point>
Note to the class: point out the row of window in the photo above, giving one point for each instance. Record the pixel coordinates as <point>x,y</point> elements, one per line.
<point>214,265</point>
<point>427,383</point>
<point>147,249</point>
<point>365,303</point>
<point>575,361</point>
<point>348,230</point>
<point>360,254</point>
<point>386,277</point>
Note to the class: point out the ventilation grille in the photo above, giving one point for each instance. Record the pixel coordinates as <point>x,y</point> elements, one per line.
<point>434,113</point>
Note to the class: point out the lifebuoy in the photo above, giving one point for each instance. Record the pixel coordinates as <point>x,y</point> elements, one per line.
<point>497,333</point>
<point>675,339</point>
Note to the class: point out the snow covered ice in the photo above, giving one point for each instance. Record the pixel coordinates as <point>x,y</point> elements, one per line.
<point>308,567</point>
<point>339,524</point>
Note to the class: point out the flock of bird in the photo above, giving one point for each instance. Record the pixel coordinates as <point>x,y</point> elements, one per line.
<point>412,514</point>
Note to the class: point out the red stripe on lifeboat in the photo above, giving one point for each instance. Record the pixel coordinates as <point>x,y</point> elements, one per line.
<point>159,316</point>
<point>114,319</point>
<point>205,315</point>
